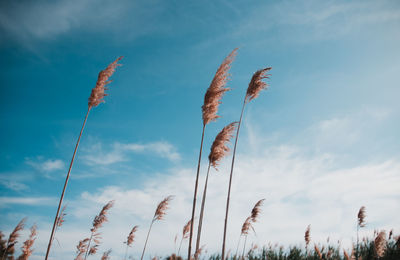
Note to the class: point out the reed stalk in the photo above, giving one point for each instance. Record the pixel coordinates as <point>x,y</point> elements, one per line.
<point>130,239</point>
<point>219,149</point>
<point>360,223</point>
<point>96,97</point>
<point>255,86</point>
<point>13,239</point>
<point>158,215</point>
<point>212,99</point>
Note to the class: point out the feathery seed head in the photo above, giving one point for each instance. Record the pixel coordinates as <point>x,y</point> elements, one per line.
<point>131,236</point>
<point>317,251</point>
<point>162,208</point>
<point>256,84</point>
<point>246,226</point>
<point>255,212</point>
<point>380,244</point>
<point>81,249</point>
<point>12,239</point>
<point>27,247</point>
<point>60,218</point>
<point>219,147</point>
<point>102,217</point>
<point>361,217</point>
<point>307,236</point>
<point>186,229</point>
<point>198,252</point>
<point>217,89</point>
<point>97,95</point>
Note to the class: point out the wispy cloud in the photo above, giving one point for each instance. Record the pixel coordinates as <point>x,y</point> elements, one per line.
<point>45,166</point>
<point>29,201</point>
<point>119,152</point>
<point>11,183</point>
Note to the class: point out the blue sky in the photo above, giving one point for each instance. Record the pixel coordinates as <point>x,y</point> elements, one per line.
<point>321,142</point>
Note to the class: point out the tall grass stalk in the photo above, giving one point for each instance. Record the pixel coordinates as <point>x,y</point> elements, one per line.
<point>96,97</point>
<point>13,239</point>
<point>209,112</point>
<point>158,215</point>
<point>219,149</point>
<point>255,86</point>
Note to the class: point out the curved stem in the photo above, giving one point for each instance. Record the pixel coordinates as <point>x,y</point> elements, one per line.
<point>147,238</point>
<point>195,195</point>
<point>203,202</point>
<point>65,185</point>
<point>230,182</point>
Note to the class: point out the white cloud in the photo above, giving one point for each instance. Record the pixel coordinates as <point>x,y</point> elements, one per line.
<point>299,190</point>
<point>11,183</point>
<point>31,201</point>
<point>48,165</point>
<point>119,152</point>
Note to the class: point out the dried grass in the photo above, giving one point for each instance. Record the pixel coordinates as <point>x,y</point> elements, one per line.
<point>98,92</point>
<point>361,217</point>
<point>106,255</point>
<point>255,212</point>
<point>217,89</point>
<point>27,247</point>
<point>219,148</point>
<point>256,84</point>
<point>380,244</point>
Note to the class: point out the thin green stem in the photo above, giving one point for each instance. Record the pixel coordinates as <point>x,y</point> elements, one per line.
<point>230,182</point>
<point>195,195</point>
<point>65,185</point>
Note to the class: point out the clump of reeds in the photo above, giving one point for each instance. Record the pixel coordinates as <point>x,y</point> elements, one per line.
<point>185,233</point>
<point>27,247</point>
<point>159,214</point>
<point>255,86</point>
<point>13,239</point>
<point>219,149</point>
<point>380,244</point>
<point>98,222</point>
<point>130,239</point>
<point>212,99</point>
<point>96,97</point>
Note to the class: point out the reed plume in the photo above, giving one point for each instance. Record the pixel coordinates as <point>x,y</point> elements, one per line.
<point>106,255</point>
<point>130,239</point>
<point>380,244</point>
<point>307,236</point>
<point>212,99</point>
<point>185,233</point>
<point>255,86</point>
<point>98,222</point>
<point>360,224</point>
<point>318,251</point>
<point>96,97</point>
<point>159,214</point>
<point>27,247</point>
<point>81,249</point>
<point>255,212</point>
<point>13,239</point>
<point>219,149</point>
